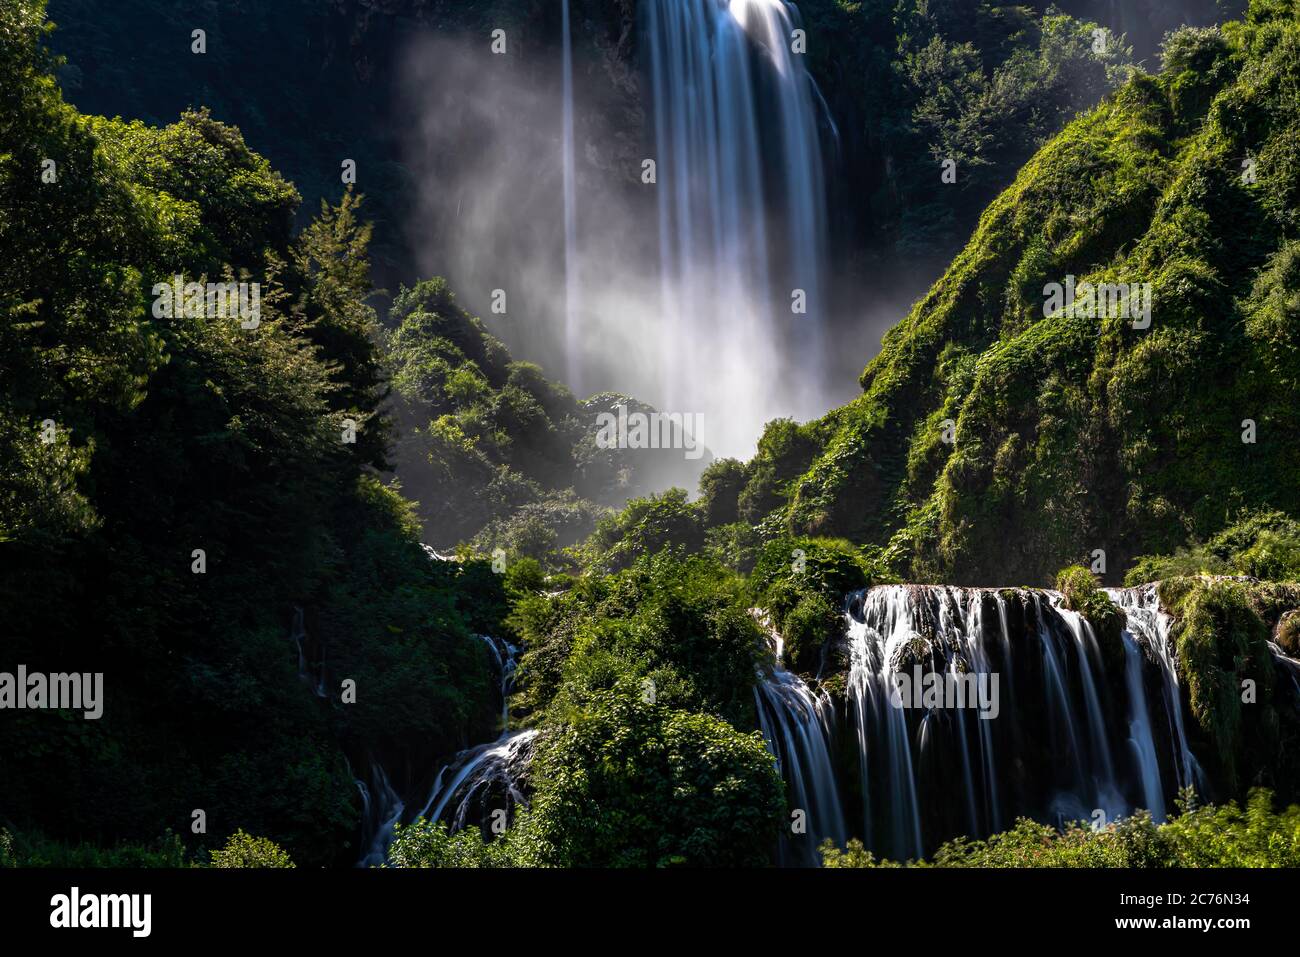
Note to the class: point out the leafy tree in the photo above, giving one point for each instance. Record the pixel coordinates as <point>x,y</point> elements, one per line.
<point>628,783</point>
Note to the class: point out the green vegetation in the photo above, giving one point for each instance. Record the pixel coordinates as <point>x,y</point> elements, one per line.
<point>1254,835</point>
<point>497,453</point>
<point>628,782</point>
<point>138,450</point>
<point>1074,433</point>
<point>681,624</point>
<point>1262,545</point>
<point>244,850</point>
<point>1082,594</point>
<point>1221,629</point>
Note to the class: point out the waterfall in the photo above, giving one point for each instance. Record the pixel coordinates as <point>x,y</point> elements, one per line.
<point>1141,739</point>
<point>972,707</point>
<point>381,808</point>
<point>741,205</point>
<point>470,788</point>
<point>481,781</point>
<point>1144,619</point>
<point>312,676</point>
<point>505,656</point>
<point>572,334</point>
<point>796,724</point>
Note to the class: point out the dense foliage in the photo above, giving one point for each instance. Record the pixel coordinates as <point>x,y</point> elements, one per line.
<point>495,451</point>
<point>173,487</point>
<point>998,438</point>
<point>1253,835</point>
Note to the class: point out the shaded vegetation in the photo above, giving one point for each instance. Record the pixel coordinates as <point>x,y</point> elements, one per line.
<point>1250,835</point>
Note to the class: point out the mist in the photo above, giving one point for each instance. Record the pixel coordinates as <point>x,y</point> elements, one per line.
<point>701,337</point>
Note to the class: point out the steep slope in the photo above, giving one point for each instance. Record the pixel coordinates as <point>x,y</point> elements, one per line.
<point>1071,433</point>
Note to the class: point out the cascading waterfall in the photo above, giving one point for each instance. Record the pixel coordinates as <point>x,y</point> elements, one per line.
<point>381,808</point>
<point>1145,620</point>
<point>484,779</point>
<point>1030,716</point>
<point>470,788</point>
<point>481,781</point>
<point>741,203</point>
<point>796,725</point>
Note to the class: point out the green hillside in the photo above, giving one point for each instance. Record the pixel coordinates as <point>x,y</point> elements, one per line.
<point>1074,433</point>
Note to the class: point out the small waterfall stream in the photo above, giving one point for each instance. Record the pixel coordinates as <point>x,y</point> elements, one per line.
<point>312,675</point>
<point>1145,620</point>
<point>470,788</point>
<point>486,778</point>
<point>796,724</point>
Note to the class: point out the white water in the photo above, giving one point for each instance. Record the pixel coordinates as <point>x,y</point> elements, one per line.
<point>741,205</point>
<point>1141,740</point>
<point>381,809</point>
<point>796,725</point>
<point>932,773</point>
<point>572,332</point>
<point>488,771</point>
<point>312,675</point>
<point>1145,620</point>
<point>466,784</point>
<point>467,789</point>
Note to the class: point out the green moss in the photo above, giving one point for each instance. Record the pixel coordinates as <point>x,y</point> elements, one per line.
<point>1082,595</point>
<point>1222,643</point>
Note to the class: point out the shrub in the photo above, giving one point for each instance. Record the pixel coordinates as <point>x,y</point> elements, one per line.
<point>245,850</point>
<point>627,783</point>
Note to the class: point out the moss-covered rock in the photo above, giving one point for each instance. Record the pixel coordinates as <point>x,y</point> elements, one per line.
<point>1226,664</point>
<point>1081,594</point>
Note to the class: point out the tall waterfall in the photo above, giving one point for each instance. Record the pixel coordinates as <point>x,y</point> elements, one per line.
<point>741,209</point>
<point>571,329</point>
<point>1032,714</point>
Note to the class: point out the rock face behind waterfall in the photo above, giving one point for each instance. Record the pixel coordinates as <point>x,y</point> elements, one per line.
<point>963,709</point>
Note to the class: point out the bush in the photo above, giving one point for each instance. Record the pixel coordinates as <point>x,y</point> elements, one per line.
<point>29,849</point>
<point>627,783</point>
<point>682,624</point>
<point>1221,642</point>
<point>1224,836</point>
<point>802,583</point>
<point>244,850</point>
<point>646,526</point>
<point>428,844</point>
<point>1261,544</point>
